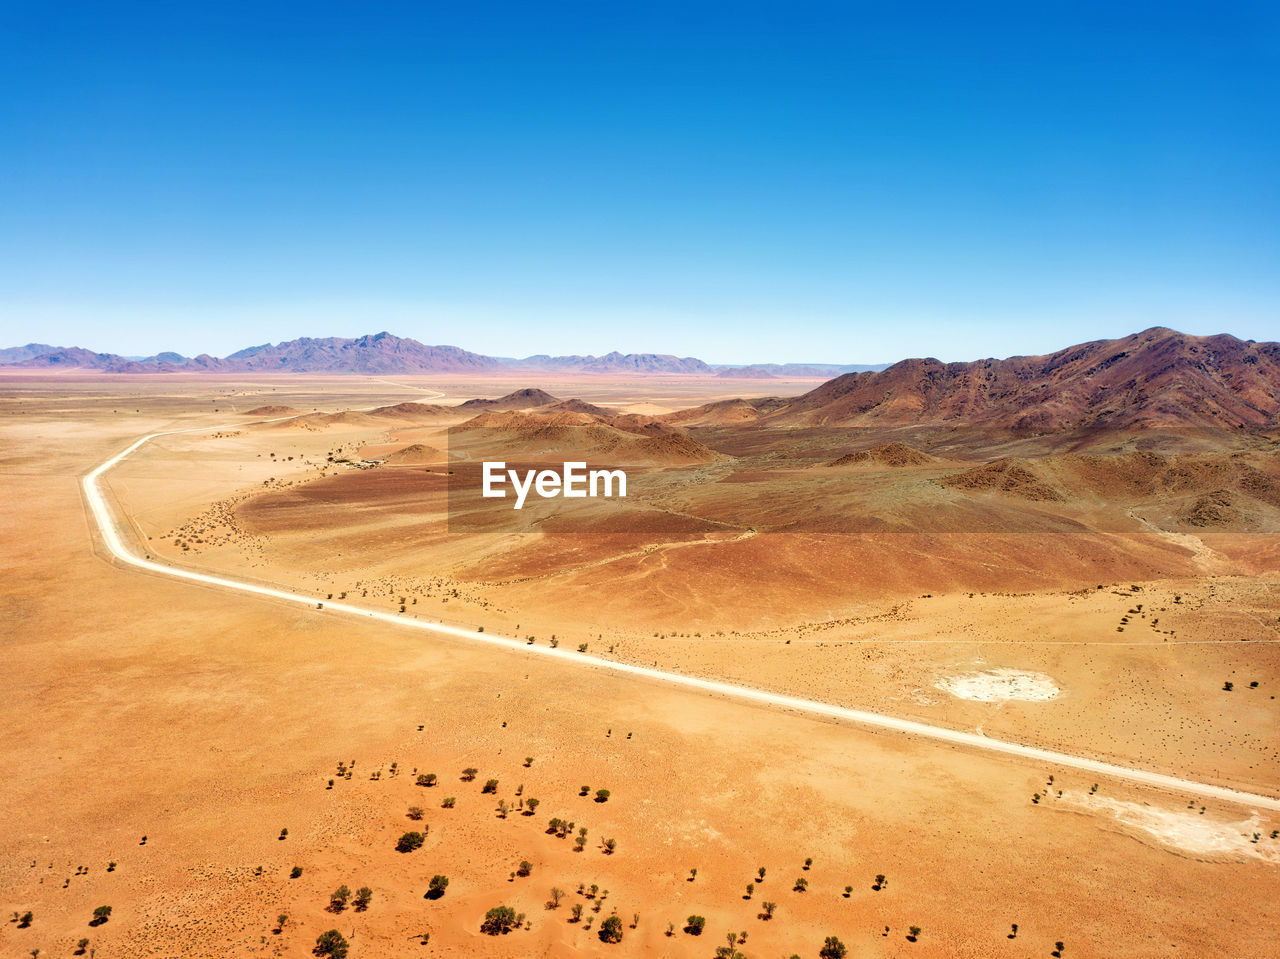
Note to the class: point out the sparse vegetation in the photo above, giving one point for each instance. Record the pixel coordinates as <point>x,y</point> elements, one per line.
<point>331,944</point>
<point>602,795</point>
<point>338,898</point>
<point>833,948</point>
<point>437,886</point>
<point>694,925</point>
<point>611,930</point>
<point>410,841</point>
<point>101,915</point>
<point>499,920</point>
<point>364,895</point>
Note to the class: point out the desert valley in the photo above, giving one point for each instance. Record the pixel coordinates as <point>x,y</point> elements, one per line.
<point>1074,553</point>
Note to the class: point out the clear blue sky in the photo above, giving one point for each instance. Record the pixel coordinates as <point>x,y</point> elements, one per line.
<point>739,181</point>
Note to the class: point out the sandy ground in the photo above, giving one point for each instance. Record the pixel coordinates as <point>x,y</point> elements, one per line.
<point>139,706</point>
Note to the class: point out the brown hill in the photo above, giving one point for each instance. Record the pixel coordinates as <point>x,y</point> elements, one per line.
<point>414,455</point>
<point>272,411</point>
<point>1157,378</point>
<point>725,412</point>
<point>517,434</point>
<point>576,405</point>
<point>1006,476</point>
<point>1237,489</point>
<point>525,399</point>
<point>897,455</point>
<point>415,411</point>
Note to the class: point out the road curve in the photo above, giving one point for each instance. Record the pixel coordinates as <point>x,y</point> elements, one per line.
<point>108,528</point>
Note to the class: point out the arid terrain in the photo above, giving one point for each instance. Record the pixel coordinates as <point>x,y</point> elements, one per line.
<point>1099,581</point>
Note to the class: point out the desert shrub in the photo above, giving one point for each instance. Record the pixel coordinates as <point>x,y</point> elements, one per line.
<point>410,841</point>
<point>338,898</point>
<point>364,895</point>
<point>611,930</point>
<point>498,921</point>
<point>331,944</point>
<point>437,886</point>
<point>602,795</point>
<point>490,786</point>
<point>833,948</point>
<point>694,925</point>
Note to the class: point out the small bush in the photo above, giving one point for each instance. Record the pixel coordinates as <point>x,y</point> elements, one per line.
<point>611,930</point>
<point>498,921</point>
<point>331,944</point>
<point>410,841</point>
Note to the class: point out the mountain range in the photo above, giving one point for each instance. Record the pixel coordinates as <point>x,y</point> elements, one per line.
<point>1158,377</point>
<point>384,353</point>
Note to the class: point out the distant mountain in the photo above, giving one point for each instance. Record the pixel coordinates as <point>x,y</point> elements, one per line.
<point>374,353</point>
<point>755,370</point>
<point>1155,378</point>
<point>745,373</point>
<point>19,354</point>
<point>614,362</point>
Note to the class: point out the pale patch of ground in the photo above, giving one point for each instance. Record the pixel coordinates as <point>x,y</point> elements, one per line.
<point>1185,830</point>
<point>1000,685</point>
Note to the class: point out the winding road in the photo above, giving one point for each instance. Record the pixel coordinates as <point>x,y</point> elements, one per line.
<point>109,527</point>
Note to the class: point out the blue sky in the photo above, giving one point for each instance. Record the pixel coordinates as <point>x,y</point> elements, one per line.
<point>738,181</point>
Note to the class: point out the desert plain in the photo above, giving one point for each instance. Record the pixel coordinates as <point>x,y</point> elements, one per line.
<point>179,751</point>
